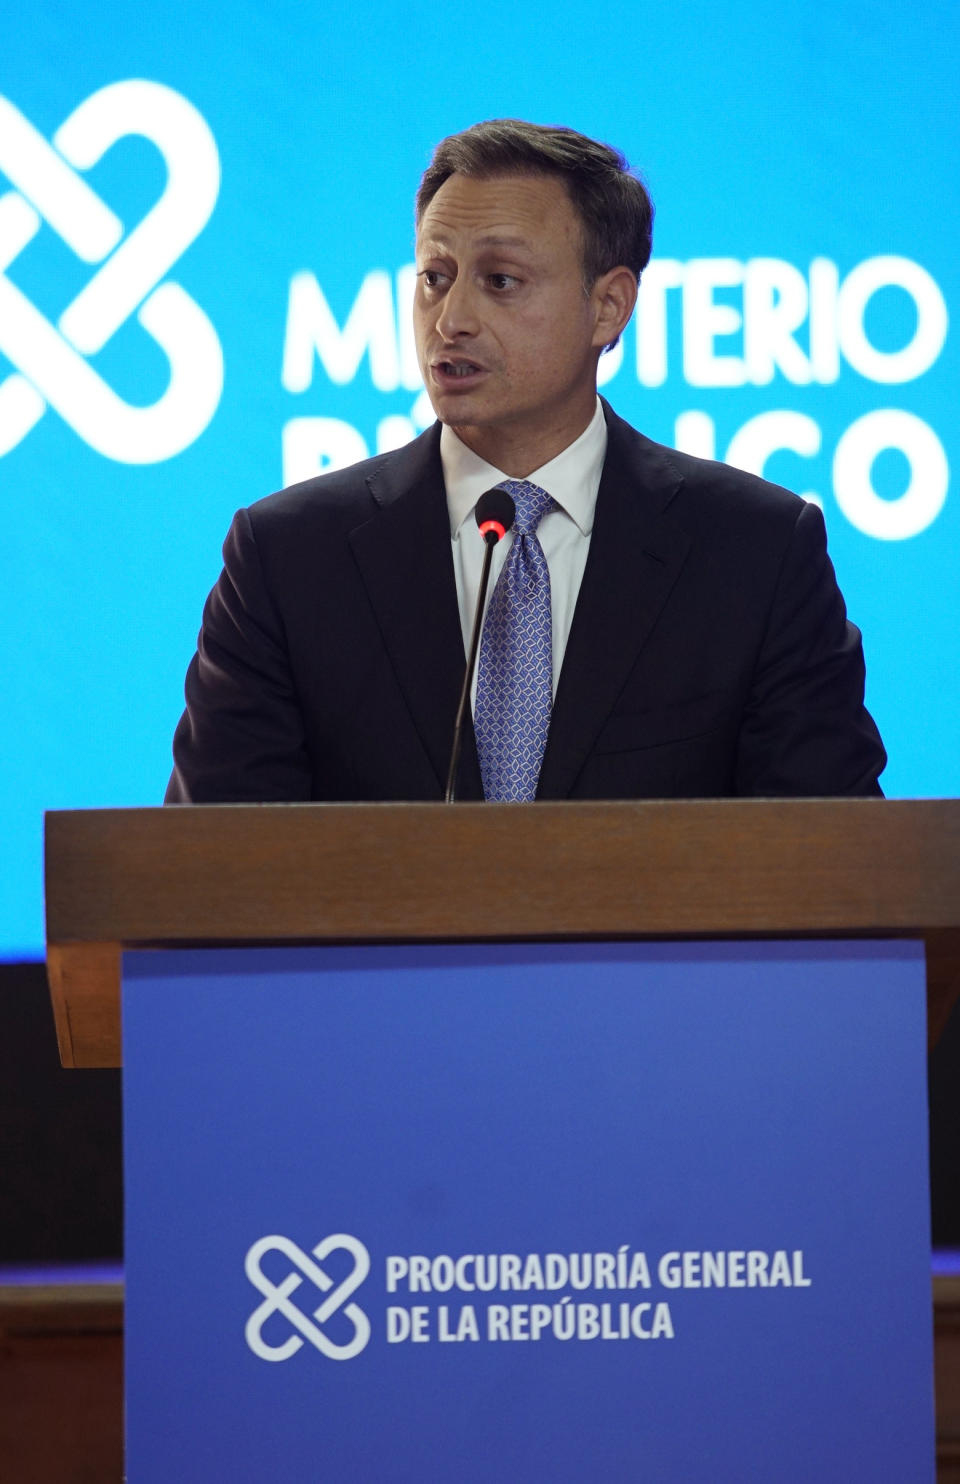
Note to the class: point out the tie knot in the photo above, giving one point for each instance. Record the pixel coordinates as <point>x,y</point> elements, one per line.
<point>532,504</point>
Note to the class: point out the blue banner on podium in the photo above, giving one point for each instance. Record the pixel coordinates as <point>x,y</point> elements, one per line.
<point>528,1213</point>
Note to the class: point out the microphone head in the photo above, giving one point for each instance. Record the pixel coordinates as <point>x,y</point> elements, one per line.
<point>495,514</point>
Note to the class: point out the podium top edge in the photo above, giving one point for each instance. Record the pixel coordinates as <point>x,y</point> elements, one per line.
<point>568,806</point>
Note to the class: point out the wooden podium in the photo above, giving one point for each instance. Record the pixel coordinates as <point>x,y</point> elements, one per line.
<point>840,1096</point>
<point>338,873</point>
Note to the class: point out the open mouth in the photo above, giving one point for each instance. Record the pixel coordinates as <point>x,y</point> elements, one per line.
<point>457,369</point>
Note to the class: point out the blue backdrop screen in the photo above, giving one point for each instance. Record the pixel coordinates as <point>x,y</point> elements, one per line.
<point>205,273</point>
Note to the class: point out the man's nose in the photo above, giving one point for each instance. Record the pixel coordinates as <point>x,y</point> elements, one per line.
<point>458,312</point>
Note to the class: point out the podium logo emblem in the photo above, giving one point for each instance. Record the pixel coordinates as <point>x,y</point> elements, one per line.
<point>53,366</point>
<point>308,1324</point>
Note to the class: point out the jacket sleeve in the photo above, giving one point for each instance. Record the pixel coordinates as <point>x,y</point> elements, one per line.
<point>806,731</point>
<point>241,737</point>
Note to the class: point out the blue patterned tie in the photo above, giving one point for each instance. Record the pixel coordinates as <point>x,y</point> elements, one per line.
<point>515,673</point>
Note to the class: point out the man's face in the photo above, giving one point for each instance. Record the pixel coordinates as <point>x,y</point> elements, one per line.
<point>506,336</point>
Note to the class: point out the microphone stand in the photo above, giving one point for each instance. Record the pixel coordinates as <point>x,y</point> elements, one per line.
<point>490,537</point>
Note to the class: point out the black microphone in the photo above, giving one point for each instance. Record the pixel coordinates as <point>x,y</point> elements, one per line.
<point>495,514</point>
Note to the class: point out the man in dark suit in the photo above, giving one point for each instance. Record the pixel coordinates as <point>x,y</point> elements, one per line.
<point>697,644</point>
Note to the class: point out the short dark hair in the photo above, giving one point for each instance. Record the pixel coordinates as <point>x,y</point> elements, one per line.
<point>613,205</point>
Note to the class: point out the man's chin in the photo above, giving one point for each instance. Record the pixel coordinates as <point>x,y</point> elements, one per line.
<point>457,413</point>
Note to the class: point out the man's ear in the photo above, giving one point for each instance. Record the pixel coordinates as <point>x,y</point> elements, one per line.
<point>614,295</point>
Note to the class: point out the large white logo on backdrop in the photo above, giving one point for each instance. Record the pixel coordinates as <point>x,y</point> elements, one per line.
<point>52,360</point>
<point>309,1325</point>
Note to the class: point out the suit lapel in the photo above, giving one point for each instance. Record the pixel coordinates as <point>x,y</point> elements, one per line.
<point>403,554</point>
<point>636,551</point>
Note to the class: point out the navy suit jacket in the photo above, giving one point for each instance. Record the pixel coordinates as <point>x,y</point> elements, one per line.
<point>710,653</point>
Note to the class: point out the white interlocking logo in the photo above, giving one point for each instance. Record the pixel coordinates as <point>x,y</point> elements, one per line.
<point>277,1298</point>
<point>52,365</point>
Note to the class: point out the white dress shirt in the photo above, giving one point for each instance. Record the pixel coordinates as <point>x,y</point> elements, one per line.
<point>572,478</point>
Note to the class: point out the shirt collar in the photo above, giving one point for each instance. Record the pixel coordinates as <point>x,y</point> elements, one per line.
<point>572,478</point>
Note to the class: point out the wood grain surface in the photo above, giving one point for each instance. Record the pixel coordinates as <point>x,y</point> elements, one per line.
<point>300,873</point>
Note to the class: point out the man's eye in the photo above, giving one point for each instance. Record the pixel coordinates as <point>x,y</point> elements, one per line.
<point>432,277</point>
<point>501,281</point>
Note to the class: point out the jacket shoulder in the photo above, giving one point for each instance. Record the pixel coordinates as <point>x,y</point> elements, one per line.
<point>706,487</point>
<point>352,494</point>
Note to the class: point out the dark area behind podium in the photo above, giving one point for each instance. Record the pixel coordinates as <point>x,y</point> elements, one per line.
<point>60,1137</point>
